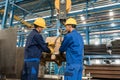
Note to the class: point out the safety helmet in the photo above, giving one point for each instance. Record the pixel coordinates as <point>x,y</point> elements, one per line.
<point>40,22</point>
<point>71,21</point>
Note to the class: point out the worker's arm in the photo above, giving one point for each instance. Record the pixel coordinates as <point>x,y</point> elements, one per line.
<point>41,43</point>
<point>65,43</point>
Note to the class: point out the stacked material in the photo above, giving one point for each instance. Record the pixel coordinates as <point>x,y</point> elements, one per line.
<point>103,71</point>
<point>116,47</point>
<point>95,49</point>
<point>11,58</point>
<point>7,51</point>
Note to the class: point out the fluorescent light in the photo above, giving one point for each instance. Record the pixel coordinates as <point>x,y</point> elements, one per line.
<point>24,45</point>
<point>22,28</point>
<point>117,61</point>
<point>111,13</point>
<point>26,30</point>
<point>97,61</point>
<point>111,18</point>
<point>96,40</point>
<point>82,18</point>
<point>97,43</point>
<point>110,10</point>
<point>96,36</point>
<point>45,32</point>
<point>84,22</point>
<point>115,34</point>
<point>113,24</point>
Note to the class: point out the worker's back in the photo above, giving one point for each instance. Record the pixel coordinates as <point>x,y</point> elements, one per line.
<point>73,46</point>
<point>31,48</point>
<point>76,48</point>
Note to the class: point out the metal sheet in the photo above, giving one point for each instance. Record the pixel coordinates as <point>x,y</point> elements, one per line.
<point>7,50</point>
<point>19,61</point>
<point>18,64</point>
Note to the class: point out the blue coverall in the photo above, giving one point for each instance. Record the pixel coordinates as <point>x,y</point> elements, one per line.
<point>35,45</point>
<point>74,47</point>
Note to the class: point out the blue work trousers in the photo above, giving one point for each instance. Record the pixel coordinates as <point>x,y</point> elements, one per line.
<point>30,70</point>
<point>73,72</point>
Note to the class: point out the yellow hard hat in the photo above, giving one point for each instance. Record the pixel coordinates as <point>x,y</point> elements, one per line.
<point>40,22</point>
<point>71,21</point>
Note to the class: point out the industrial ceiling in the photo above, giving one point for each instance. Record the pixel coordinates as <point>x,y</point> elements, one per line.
<point>33,6</point>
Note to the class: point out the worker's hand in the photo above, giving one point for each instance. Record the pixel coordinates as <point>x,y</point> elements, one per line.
<point>51,49</point>
<point>53,57</point>
<point>51,44</point>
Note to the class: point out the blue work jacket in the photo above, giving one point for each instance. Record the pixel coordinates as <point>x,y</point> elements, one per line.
<point>35,45</point>
<point>74,47</point>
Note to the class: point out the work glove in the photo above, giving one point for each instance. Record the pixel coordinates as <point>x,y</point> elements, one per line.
<point>51,49</point>
<point>52,44</point>
<point>53,57</point>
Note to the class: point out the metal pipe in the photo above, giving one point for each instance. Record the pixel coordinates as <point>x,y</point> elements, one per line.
<point>87,8</point>
<point>87,35</point>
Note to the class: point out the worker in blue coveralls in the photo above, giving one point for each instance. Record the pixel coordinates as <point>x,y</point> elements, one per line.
<point>74,47</point>
<point>35,45</point>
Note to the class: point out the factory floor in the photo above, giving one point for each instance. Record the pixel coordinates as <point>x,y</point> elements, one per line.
<point>61,79</point>
<point>38,79</point>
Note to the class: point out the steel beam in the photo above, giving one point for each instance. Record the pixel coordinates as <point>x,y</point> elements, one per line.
<point>2,4</point>
<point>12,15</point>
<point>58,26</point>
<point>100,38</point>
<point>87,35</point>
<point>99,23</point>
<point>4,20</point>
<point>39,5</point>
<point>106,28</point>
<point>96,9</point>
<point>22,40</point>
<point>22,9</point>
